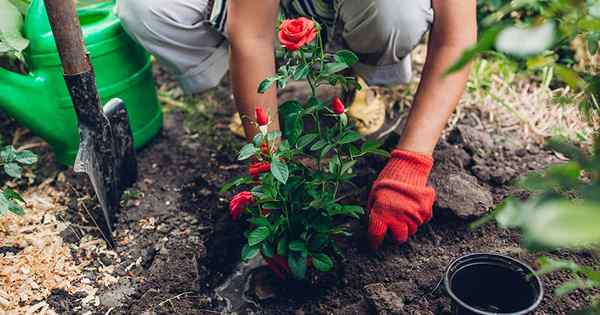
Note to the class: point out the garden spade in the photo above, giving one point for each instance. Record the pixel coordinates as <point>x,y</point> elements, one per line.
<point>106,152</point>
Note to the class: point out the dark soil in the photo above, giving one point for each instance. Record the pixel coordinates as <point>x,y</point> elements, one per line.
<point>176,243</point>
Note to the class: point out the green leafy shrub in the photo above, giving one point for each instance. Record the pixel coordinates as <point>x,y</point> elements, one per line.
<point>564,210</point>
<point>294,205</point>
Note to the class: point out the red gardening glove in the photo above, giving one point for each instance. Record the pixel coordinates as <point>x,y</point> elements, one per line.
<point>400,199</point>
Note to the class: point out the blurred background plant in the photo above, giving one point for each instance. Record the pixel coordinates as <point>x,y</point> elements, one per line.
<point>12,42</point>
<point>558,41</point>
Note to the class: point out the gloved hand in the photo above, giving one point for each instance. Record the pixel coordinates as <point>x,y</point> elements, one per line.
<point>400,199</point>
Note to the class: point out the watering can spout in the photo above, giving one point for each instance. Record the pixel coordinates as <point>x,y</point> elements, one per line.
<point>17,92</point>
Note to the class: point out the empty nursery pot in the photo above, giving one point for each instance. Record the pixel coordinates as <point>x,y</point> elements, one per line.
<point>489,284</point>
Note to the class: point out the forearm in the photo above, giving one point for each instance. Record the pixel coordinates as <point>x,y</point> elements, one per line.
<point>454,30</point>
<point>251,28</point>
<point>250,64</point>
<point>436,99</point>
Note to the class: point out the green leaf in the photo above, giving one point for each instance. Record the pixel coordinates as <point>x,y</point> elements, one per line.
<point>485,43</point>
<point>345,210</point>
<point>297,246</point>
<point>572,285</point>
<point>273,135</point>
<point>247,151</point>
<point>334,164</point>
<point>592,42</point>
<point>258,235</point>
<point>266,84</point>
<point>260,221</point>
<point>301,72</point>
<point>22,5</point>
<point>326,150</point>
<point>569,150</point>
<point>349,137</point>
<point>280,171</point>
<point>318,242</point>
<point>13,195</point>
<point>11,22</point>
<point>306,140</point>
<point>8,153</point>
<point>541,61</point>
<point>235,183</point>
<point>282,246</point>
<point>290,115</point>
<point>334,67</point>
<point>562,223</point>
<point>322,262</point>
<point>249,252</point>
<point>347,57</point>
<point>570,77</point>
<point>13,170</point>
<point>549,265</point>
<point>267,249</point>
<point>511,214</point>
<point>318,145</point>
<point>26,157</point>
<point>8,203</point>
<point>258,139</point>
<point>347,167</point>
<point>589,24</point>
<point>297,264</point>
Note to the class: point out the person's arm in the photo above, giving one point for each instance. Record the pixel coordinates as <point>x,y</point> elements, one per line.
<point>251,28</point>
<point>454,29</point>
<point>400,199</point>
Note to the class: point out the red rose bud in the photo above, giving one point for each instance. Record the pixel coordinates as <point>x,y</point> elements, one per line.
<point>262,119</point>
<point>239,202</point>
<point>258,168</point>
<point>264,149</point>
<point>296,33</point>
<point>337,106</point>
<point>264,212</point>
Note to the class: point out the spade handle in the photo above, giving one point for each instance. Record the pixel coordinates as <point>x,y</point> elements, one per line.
<point>68,36</point>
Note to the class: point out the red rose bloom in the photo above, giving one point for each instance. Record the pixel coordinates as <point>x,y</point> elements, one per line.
<point>258,168</point>
<point>337,106</point>
<point>295,33</point>
<point>262,119</point>
<point>239,203</point>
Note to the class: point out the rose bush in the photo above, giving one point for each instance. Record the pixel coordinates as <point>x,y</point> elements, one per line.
<point>294,208</point>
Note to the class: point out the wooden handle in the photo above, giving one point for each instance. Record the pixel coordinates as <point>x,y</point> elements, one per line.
<point>67,35</point>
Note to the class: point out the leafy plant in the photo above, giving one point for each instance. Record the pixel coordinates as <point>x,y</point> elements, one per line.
<point>12,42</point>
<point>12,161</point>
<point>294,205</point>
<point>564,212</point>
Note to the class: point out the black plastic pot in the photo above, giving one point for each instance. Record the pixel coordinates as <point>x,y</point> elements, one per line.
<point>487,284</point>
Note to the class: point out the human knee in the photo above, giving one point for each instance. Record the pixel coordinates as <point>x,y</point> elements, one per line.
<point>137,15</point>
<point>386,26</point>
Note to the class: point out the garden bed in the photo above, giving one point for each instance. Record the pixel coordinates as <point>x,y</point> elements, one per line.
<point>177,243</point>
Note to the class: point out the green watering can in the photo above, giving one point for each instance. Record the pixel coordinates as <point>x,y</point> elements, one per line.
<point>40,100</point>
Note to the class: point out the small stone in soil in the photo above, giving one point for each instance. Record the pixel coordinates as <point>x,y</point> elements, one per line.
<point>463,195</point>
<point>384,301</point>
